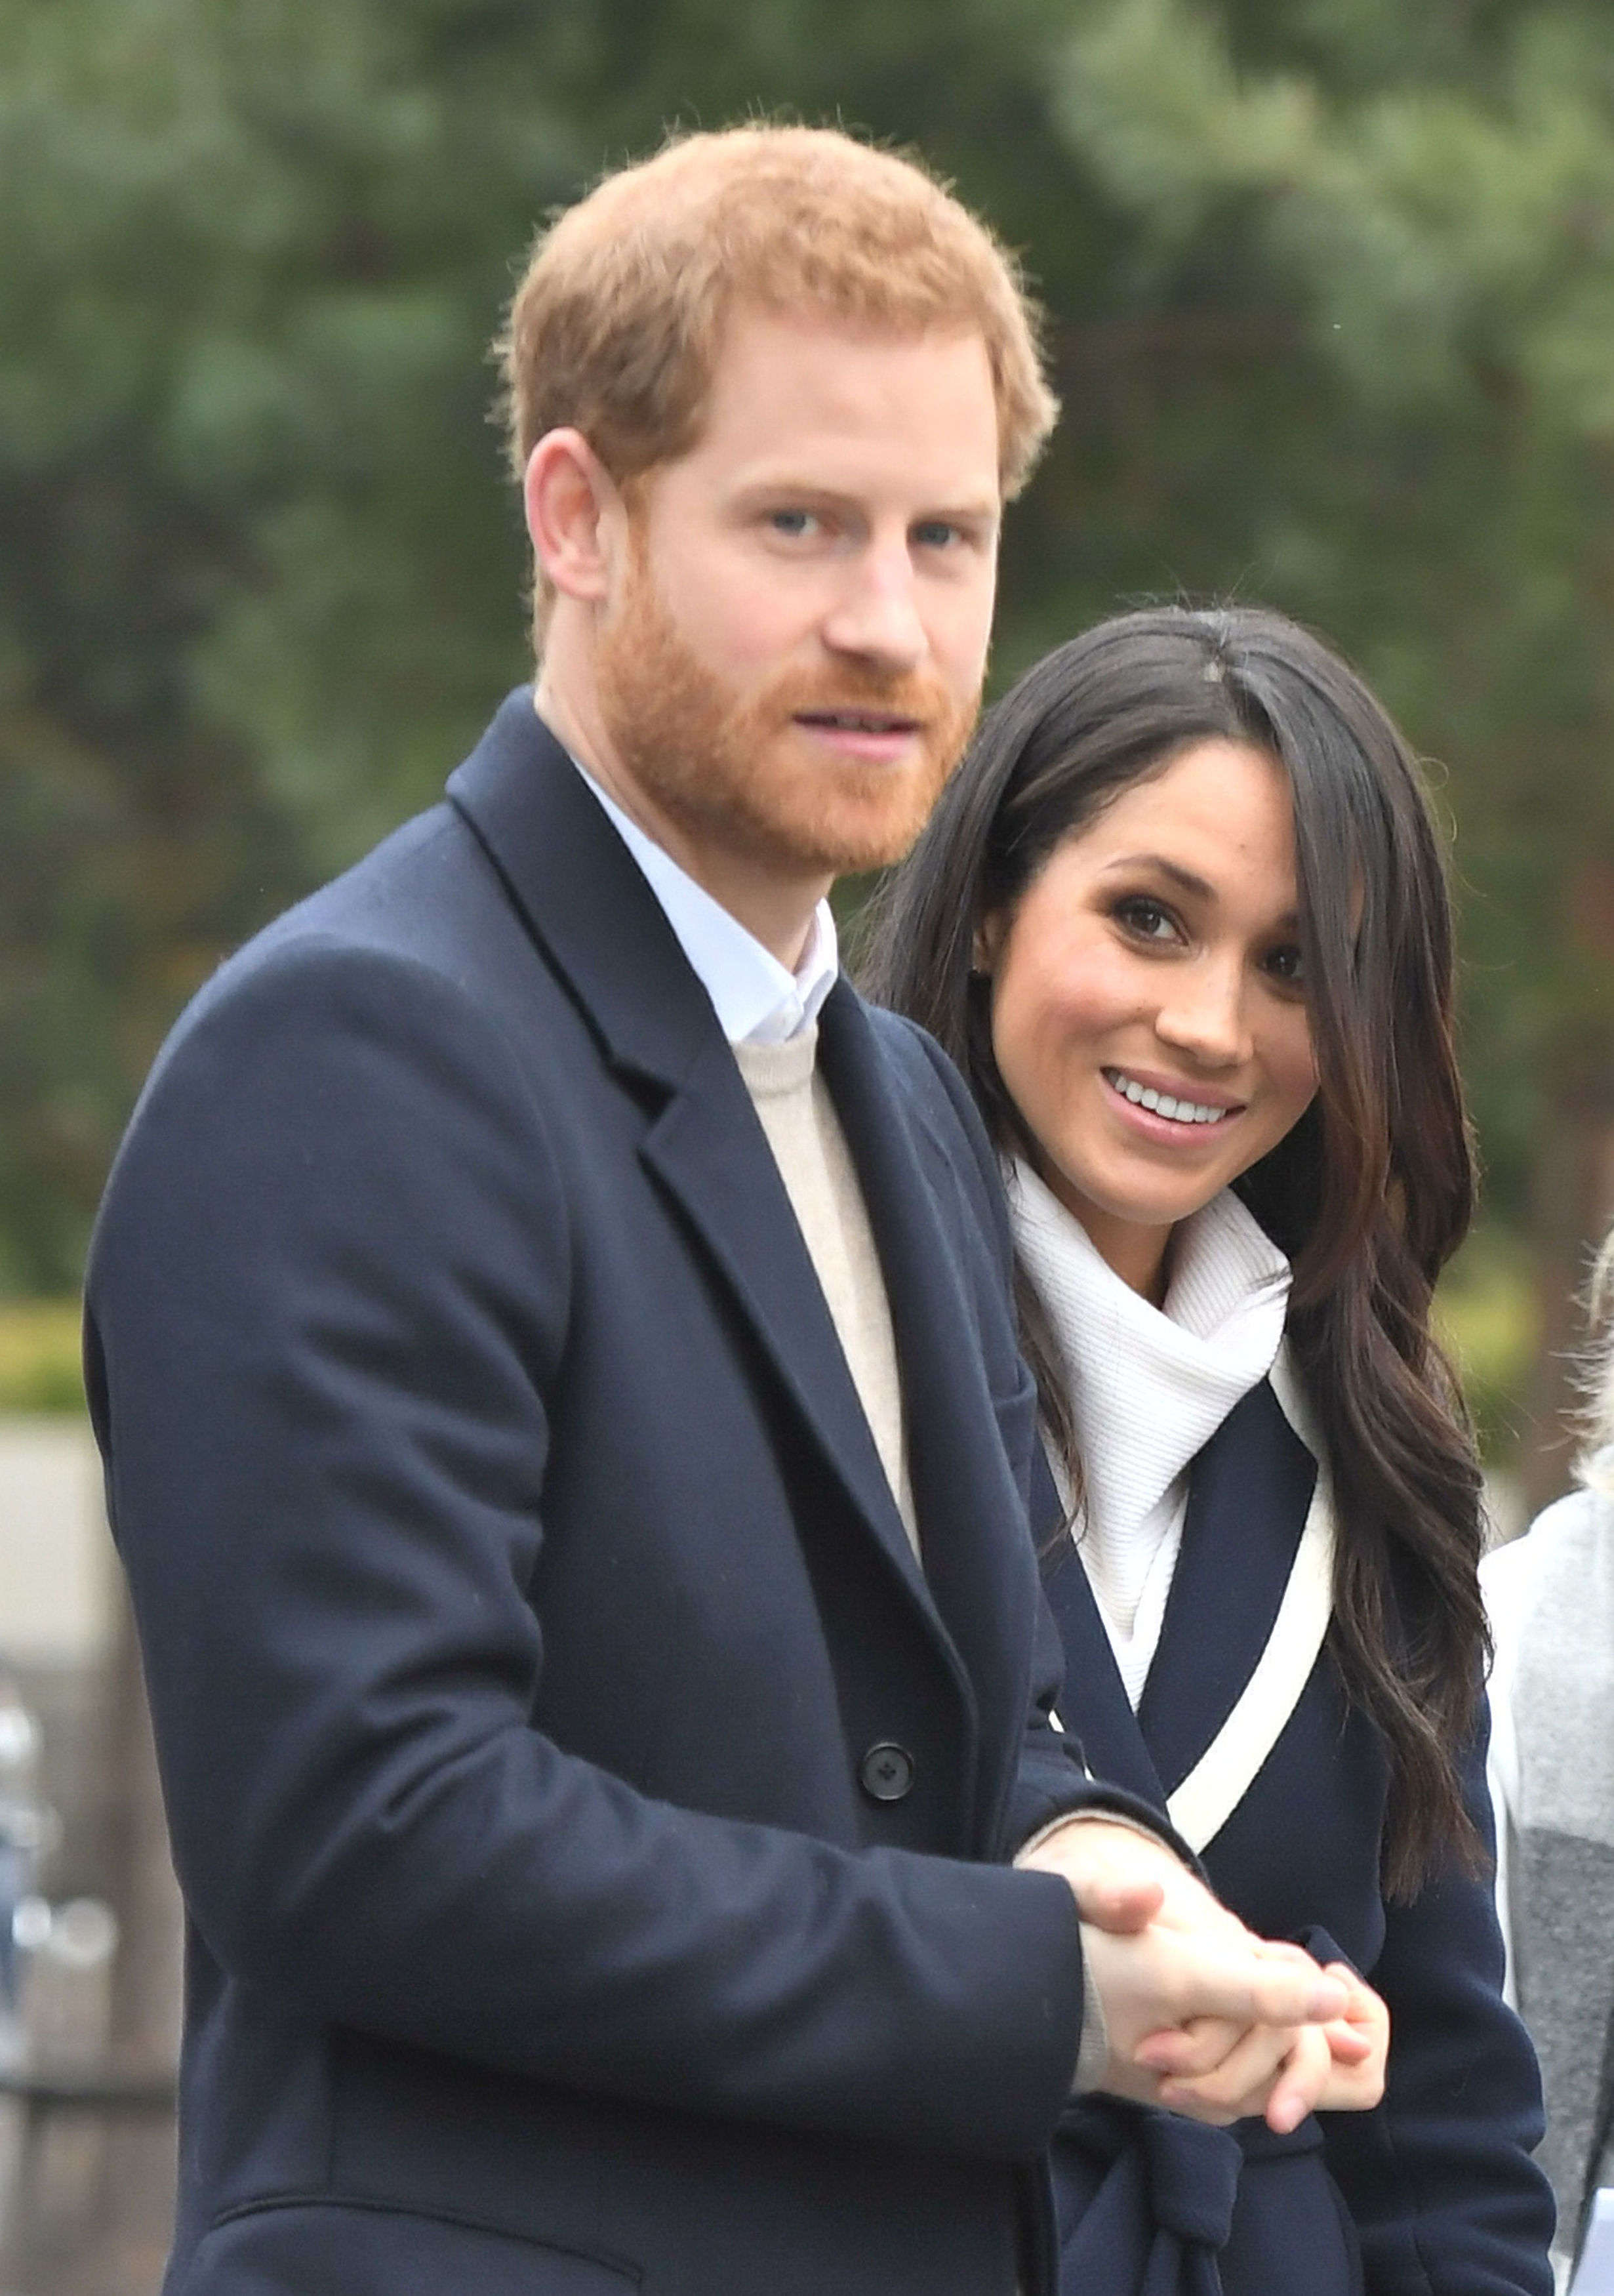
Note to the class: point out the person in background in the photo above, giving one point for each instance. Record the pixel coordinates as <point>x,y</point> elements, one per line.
<point>1550,1599</point>
<point>1182,921</point>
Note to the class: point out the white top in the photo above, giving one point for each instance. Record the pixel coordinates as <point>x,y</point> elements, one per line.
<point>1149,1386</point>
<point>757,1001</point>
<point>1594,2275</point>
<point>1503,1579</point>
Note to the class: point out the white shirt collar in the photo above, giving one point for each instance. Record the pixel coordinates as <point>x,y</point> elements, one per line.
<point>757,1000</point>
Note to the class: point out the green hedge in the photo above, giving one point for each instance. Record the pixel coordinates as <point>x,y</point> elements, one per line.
<point>1489,1318</point>
<point>1487,1315</point>
<point>39,1361</point>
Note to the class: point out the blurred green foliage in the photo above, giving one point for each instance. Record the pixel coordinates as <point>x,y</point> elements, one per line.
<point>1487,1318</point>
<point>1330,287</point>
<point>40,1368</point>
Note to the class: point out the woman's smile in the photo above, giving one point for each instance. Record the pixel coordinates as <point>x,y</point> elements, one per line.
<point>1149,1012</point>
<point>1175,1104</point>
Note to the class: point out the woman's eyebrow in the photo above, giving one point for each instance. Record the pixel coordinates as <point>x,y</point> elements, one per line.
<point>1200,888</point>
<point>1178,875</point>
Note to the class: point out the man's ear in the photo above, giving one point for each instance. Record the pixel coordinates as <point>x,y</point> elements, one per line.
<point>574,514</point>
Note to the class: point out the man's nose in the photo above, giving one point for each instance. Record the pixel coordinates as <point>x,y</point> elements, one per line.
<point>876,615</point>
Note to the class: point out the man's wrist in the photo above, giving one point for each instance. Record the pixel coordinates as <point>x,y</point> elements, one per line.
<point>1069,1818</point>
<point>1093,2046</point>
<point>1093,2050</point>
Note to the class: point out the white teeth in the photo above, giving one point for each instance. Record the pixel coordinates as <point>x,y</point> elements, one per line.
<point>1164,1103</point>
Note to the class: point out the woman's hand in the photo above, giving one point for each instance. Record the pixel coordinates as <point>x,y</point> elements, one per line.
<point>1358,2046</point>
<point>1216,2071</point>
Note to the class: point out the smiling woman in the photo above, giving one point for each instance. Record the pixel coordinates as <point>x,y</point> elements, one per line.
<point>1181,920</point>
<point>1149,1016</point>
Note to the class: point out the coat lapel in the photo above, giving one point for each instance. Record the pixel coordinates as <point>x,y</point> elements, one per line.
<point>587,903</point>
<point>978,1558</point>
<point>1094,1707</point>
<point>1252,1485</point>
<point>709,1151</point>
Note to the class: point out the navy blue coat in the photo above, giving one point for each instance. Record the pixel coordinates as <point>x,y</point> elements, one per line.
<point>1433,2194</point>
<point>525,1611</point>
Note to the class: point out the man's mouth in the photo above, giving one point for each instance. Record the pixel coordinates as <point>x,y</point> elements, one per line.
<point>1175,1107</point>
<point>864,737</point>
<point>858,721</point>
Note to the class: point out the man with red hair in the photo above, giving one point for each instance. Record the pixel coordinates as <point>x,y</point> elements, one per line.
<point>550,1346</point>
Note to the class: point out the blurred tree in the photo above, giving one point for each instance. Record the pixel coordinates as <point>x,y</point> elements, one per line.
<point>1357,354</point>
<point>1332,314</point>
<point>245,273</point>
<point>260,574</point>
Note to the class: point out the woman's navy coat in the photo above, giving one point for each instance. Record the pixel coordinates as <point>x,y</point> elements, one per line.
<point>1433,2194</point>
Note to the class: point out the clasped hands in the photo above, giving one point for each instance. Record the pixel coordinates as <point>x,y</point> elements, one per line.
<point>1201,2015</point>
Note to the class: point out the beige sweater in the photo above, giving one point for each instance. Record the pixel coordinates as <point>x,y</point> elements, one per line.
<point>804,1132</point>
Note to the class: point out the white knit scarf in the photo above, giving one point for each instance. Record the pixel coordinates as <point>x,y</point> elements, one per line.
<point>1149,1386</point>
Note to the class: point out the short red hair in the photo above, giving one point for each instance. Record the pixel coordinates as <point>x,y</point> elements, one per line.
<point>615,329</point>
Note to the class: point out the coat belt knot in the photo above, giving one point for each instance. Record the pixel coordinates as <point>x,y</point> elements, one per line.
<point>1159,2197</point>
<point>1193,2179</point>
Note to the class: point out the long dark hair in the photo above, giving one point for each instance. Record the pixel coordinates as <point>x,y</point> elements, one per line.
<point>1371,1191</point>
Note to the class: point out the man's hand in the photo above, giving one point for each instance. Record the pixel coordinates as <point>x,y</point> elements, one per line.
<point>1163,1953</point>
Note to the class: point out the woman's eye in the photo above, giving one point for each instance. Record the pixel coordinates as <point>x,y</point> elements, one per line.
<point>1149,920</point>
<point>1287,965</point>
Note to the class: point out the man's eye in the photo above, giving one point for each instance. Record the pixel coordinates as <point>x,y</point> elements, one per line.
<point>795,525</point>
<point>937,534</point>
<point>1149,920</point>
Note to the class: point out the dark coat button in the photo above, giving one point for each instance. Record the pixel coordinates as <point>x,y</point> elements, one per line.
<point>885,1772</point>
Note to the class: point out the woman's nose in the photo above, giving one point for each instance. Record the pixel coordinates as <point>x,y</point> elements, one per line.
<point>1205,1014</point>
